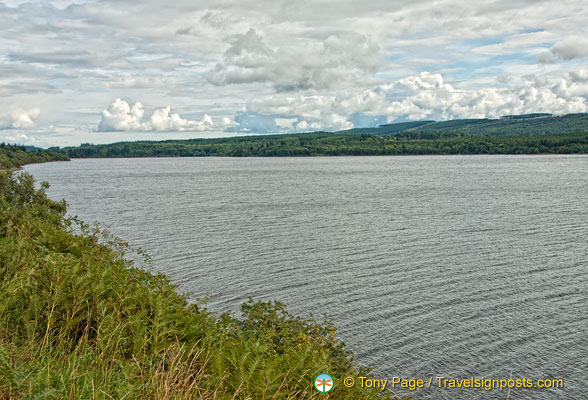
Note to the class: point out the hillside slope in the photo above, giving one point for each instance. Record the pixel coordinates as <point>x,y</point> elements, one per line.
<point>330,144</point>
<point>12,156</point>
<point>530,124</point>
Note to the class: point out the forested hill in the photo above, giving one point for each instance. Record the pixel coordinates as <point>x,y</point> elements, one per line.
<point>330,144</point>
<point>12,156</point>
<point>517,134</point>
<point>526,124</point>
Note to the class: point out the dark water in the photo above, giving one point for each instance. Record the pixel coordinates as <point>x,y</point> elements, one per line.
<point>456,266</point>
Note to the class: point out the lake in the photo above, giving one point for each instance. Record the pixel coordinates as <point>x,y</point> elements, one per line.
<point>452,266</point>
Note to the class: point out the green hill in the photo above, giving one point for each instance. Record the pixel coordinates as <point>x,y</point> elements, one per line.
<point>521,134</point>
<point>331,144</point>
<point>527,124</point>
<point>13,156</point>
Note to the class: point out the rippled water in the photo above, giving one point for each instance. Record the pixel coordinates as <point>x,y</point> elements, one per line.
<point>456,266</point>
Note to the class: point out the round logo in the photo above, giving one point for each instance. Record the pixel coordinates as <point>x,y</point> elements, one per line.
<point>324,383</point>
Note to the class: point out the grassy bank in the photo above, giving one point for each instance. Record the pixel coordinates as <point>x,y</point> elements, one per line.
<point>13,156</point>
<point>78,321</point>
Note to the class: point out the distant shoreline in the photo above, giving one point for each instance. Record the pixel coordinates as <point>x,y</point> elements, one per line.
<point>341,155</point>
<point>349,144</point>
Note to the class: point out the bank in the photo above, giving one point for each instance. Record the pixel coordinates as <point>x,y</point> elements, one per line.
<point>80,321</point>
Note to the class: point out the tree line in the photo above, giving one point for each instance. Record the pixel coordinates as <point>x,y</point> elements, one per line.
<point>14,156</point>
<point>333,144</point>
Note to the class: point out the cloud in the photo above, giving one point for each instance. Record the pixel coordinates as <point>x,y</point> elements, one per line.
<point>418,97</point>
<point>61,57</point>
<point>302,113</point>
<point>427,96</point>
<point>326,65</point>
<point>24,119</point>
<point>120,116</point>
<point>341,58</point>
<point>570,49</point>
<point>162,120</point>
<point>227,123</point>
<point>21,138</point>
<point>142,82</point>
<point>10,87</point>
<point>20,119</point>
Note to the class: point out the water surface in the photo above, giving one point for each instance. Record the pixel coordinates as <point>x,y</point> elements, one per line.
<point>441,265</point>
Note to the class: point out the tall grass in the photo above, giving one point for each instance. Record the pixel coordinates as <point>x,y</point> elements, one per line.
<point>79,321</point>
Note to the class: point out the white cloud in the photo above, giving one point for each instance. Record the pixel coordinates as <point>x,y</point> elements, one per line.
<point>319,64</point>
<point>428,96</point>
<point>227,123</point>
<point>302,126</point>
<point>342,58</point>
<point>303,112</point>
<point>120,116</point>
<point>20,138</point>
<point>161,120</point>
<point>24,119</point>
<point>285,122</point>
<point>20,119</point>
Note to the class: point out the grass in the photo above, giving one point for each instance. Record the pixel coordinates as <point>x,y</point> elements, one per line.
<point>79,321</point>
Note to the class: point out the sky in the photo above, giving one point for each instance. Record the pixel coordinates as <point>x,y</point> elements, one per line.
<point>103,71</point>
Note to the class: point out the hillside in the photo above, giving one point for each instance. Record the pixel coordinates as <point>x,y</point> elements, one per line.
<point>330,144</point>
<point>520,134</point>
<point>12,156</point>
<point>529,124</point>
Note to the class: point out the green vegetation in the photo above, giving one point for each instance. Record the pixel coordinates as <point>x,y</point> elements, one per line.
<point>531,124</point>
<point>78,321</point>
<point>330,144</point>
<point>508,125</point>
<point>512,134</point>
<point>13,156</point>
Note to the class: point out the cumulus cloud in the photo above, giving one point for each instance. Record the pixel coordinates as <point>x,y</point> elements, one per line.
<point>279,113</point>
<point>227,123</point>
<point>162,120</point>
<point>428,96</point>
<point>341,58</point>
<point>120,116</point>
<point>424,96</point>
<point>20,119</point>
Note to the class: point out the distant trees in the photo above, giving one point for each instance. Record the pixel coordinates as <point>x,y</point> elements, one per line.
<point>331,144</point>
<point>13,156</point>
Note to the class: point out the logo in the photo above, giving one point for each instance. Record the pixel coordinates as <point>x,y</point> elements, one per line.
<point>324,383</point>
